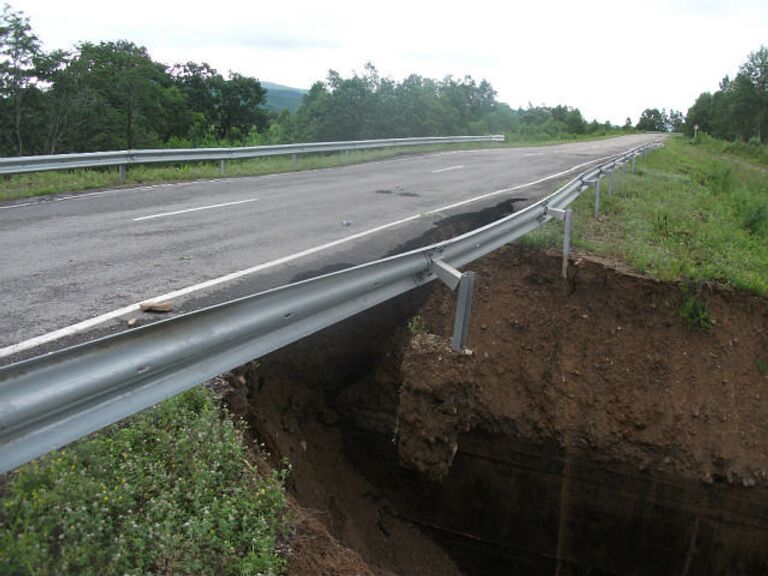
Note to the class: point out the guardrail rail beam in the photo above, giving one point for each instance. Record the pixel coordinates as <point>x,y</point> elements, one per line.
<point>53,399</point>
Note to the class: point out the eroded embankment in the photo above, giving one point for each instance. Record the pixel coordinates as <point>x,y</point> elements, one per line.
<point>590,430</point>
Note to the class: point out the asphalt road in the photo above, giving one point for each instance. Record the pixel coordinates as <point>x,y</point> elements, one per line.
<point>75,266</point>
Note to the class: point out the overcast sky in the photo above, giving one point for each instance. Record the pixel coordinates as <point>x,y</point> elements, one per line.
<point>611,59</point>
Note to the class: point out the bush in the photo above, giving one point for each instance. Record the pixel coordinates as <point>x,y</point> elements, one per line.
<point>172,492</point>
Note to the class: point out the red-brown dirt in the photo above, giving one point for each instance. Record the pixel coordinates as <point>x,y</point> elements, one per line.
<point>604,361</point>
<point>601,368</point>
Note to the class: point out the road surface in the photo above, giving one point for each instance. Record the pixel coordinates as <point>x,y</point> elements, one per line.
<point>75,266</point>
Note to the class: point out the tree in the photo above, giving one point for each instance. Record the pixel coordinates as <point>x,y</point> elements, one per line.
<point>700,114</point>
<point>202,88</point>
<point>242,101</point>
<point>676,121</point>
<point>652,120</point>
<point>755,73</point>
<point>18,49</point>
<point>739,109</point>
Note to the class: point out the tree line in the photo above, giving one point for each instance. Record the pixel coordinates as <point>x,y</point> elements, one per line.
<point>367,105</point>
<point>739,109</point>
<point>113,95</point>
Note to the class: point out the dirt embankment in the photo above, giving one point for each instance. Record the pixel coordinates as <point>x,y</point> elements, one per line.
<point>604,363</point>
<point>589,430</point>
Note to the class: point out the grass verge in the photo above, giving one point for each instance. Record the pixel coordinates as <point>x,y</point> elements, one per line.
<point>56,182</point>
<point>690,212</point>
<point>171,492</point>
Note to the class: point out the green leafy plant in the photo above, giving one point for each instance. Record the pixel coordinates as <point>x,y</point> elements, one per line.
<point>416,325</point>
<point>696,314</point>
<point>172,492</point>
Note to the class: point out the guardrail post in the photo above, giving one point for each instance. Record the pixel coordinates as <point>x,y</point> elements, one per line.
<point>567,217</point>
<point>633,163</point>
<point>223,167</point>
<point>463,310</point>
<point>465,283</point>
<point>597,197</point>
<point>121,171</point>
<point>294,158</point>
<point>610,181</point>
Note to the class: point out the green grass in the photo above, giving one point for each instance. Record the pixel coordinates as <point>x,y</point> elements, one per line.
<point>752,151</point>
<point>57,182</point>
<point>691,212</point>
<point>171,492</point>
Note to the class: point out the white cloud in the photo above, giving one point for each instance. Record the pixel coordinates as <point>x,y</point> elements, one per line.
<point>610,59</point>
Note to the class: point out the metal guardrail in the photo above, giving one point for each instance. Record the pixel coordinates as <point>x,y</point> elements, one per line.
<point>123,158</point>
<point>49,401</point>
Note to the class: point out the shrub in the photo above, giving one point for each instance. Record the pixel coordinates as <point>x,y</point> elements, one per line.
<point>696,314</point>
<point>172,492</point>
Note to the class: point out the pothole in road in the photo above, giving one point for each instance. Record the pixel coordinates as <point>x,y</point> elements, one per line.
<point>589,432</point>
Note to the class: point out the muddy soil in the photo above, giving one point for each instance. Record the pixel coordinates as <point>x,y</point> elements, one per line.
<point>590,429</point>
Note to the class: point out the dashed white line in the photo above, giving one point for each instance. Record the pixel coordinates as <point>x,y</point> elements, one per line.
<point>176,212</point>
<point>447,169</point>
<point>90,323</point>
<point>533,154</point>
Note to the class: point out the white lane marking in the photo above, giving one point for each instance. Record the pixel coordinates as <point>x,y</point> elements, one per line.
<point>447,169</point>
<point>534,154</point>
<point>90,323</point>
<point>18,205</point>
<point>176,212</point>
<point>86,195</point>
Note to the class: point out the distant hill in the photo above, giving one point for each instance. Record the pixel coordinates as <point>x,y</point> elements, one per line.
<point>280,97</point>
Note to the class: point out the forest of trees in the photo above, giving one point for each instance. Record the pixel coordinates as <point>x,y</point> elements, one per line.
<point>739,109</point>
<point>113,95</point>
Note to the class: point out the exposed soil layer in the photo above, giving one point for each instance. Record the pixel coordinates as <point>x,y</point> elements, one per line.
<point>589,431</point>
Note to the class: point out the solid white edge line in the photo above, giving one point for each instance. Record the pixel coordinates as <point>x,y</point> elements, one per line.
<point>90,323</point>
<point>176,212</point>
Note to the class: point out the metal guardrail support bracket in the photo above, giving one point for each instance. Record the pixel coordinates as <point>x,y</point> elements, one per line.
<point>567,217</point>
<point>448,275</point>
<point>121,171</point>
<point>465,283</point>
